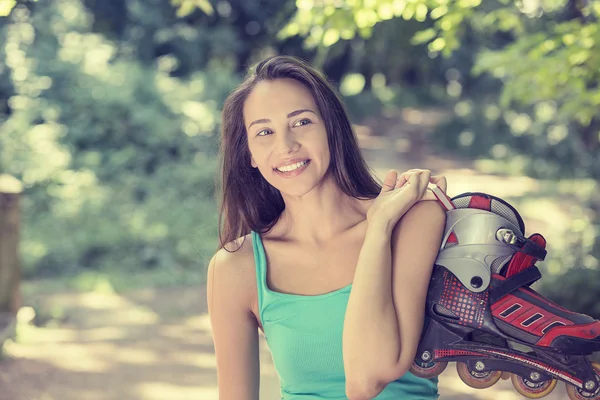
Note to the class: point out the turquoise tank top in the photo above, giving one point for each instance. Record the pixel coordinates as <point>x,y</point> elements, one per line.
<point>304,334</point>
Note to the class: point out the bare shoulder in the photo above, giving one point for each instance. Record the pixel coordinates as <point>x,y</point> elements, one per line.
<point>424,218</point>
<point>232,269</point>
<point>234,328</point>
<point>237,252</point>
<point>427,211</point>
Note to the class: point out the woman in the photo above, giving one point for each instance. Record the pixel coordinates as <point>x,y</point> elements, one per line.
<point>332,267</point>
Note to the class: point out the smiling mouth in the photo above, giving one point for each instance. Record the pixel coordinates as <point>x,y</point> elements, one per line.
<point>292,167</point>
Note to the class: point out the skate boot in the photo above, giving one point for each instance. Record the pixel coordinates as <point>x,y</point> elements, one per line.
<point>482,314</point>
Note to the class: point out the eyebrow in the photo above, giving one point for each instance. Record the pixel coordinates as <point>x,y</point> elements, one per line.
<point>290,115</point>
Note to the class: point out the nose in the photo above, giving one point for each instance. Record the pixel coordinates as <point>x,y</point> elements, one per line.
<point>287,142</point>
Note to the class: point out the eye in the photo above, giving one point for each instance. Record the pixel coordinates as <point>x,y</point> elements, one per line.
<point>260,133</point>
<point>305,121</point>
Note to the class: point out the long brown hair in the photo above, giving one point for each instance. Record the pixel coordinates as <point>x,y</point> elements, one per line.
<point>247,201</point>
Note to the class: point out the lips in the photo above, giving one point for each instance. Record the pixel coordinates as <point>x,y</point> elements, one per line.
<point>291,161</point>
<point>294,172</point>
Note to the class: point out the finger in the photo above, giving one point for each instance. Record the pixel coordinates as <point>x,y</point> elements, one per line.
<point>389,182</point>
<point>412,184</point>
<point>440,181</point>
<point>424,178</point>
<point>406,175</point>
<point>413,180</point>
<point>403,179</point>
<point>430,193</point>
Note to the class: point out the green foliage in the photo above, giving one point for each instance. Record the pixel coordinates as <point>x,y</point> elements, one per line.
<point>109,109</point>
<point>545,56</point>
<point>576,289</point>
<point>558,64</point>
<point>186,7</point>
<point>326,22</point>
<point>117,158</point>
<point>6,7</point>
<point>203,32</point>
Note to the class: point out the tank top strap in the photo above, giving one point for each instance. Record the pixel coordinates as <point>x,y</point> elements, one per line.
<point>260,264</point>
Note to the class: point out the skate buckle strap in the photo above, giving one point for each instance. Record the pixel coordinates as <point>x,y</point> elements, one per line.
<point>524,278</point>
<point>525,246</point>
<point>441,196</point>
<point>533,249</point>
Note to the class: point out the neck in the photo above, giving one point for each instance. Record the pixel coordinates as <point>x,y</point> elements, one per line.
<point>319,215</point>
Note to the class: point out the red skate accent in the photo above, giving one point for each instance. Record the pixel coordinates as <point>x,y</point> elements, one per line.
<point>442,197</point>
<point>441,353</point>
<point>548,319</point>
<point>518,322</point>
<point>586,331</point>
<point>520,261</point>
<point>526,311</point>
<point>507,301</point>
<point>538,330</point>
<point>543,366</point>
<point>468,306</point>
<point>481,203</point>
<point>533,293</point>
<point>500,303</point>
<point>536,327</point>
<point>530,292</point>
<point>452,238</point>
<point>503,300</point>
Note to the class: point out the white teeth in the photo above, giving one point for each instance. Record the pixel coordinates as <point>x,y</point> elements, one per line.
<point>292,167</point>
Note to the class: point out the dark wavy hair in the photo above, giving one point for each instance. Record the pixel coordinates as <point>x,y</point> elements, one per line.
<point>247,201</point>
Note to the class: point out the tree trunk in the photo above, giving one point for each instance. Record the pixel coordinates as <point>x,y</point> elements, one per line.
<point>10,269</point>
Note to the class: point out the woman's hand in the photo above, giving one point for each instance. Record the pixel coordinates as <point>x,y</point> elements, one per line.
<point>438,180</point>
<point>399,194</point>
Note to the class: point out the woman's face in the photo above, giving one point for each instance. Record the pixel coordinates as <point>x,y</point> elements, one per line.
<point>286,136</point>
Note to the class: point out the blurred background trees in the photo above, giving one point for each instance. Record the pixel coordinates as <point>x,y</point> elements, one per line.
<point>110,112</point>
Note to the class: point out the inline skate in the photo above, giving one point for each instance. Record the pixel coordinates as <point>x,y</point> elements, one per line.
<point>482,313</point>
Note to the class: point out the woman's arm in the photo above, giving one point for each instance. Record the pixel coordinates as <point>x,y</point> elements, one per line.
<point>415,245</point>
<point>383,324</point>
<point>234,328</point>
<point>370,326</point>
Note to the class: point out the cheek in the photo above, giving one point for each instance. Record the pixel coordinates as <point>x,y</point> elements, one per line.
<point>324,146</point>
<point>255,152</point>
<point>260,156</point>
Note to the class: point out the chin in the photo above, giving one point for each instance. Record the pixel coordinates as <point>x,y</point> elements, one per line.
<point>291,190</point>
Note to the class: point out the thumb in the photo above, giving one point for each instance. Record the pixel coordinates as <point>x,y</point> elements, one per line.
<point>389,183</point>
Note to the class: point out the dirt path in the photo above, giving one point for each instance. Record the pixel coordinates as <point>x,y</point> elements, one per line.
<point>156,344</point>
<point>147,345</point>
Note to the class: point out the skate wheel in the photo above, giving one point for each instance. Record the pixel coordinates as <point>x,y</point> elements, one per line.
<point>475,379</point>
<point>575,393</point>
<point>427,370</point>
<point>532,390</point>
